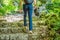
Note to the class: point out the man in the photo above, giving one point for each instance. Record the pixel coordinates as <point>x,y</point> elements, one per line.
<point>28,7</point>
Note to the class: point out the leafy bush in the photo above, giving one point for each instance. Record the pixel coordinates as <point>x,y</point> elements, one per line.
<point>52,20</point>
<point>7,6</point>
<point>53,6</point>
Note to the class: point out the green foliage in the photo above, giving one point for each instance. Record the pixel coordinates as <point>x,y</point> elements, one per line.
<point>43,1</point>
<point>52,20</point>
<point>57,37</point>
<point>7,6</point>
<point>54,6</point>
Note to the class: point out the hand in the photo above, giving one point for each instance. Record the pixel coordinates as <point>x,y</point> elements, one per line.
<point>21,11</point>
<point>35,7</point>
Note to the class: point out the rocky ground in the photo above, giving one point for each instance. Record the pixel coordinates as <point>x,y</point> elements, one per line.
<point>14,30</point>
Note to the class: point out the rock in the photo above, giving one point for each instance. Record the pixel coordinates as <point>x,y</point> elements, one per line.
<point>18,36</point>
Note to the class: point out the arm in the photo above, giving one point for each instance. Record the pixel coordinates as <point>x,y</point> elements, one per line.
<point>21,5</point>
<point>34,2</point>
